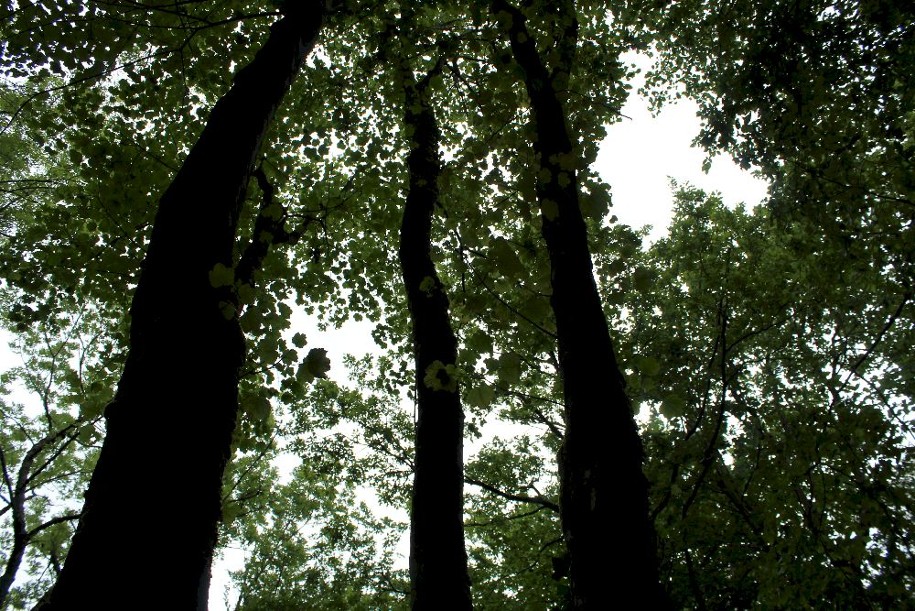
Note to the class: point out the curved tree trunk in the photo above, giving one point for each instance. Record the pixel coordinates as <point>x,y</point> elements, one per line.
<point>604,494</point>
<point>150,518</point>
<point>438,560</point>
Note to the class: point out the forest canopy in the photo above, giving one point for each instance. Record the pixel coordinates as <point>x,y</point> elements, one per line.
<point>725,414</point>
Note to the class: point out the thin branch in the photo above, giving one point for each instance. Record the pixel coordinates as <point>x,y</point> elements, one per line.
<point>512,309</point>
<point>67,517</point>
<point>504,519</point>
<point>521,498</point>
<point>886,327</point>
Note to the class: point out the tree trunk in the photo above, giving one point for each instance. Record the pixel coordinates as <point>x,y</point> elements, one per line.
<point>151,511</point>
<point>438,560</point>
<point>603,492</point>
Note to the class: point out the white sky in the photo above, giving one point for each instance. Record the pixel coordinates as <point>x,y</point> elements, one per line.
<point>641,153</point>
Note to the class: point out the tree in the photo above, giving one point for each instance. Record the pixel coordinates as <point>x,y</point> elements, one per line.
<point>751,387</point>
<point>189,257</point>
<point>438,561</point>
<point>314,544</point>
<point>769,420</point>
<point>814,94</point>
<point>601,456</point>
<point>47,454</point>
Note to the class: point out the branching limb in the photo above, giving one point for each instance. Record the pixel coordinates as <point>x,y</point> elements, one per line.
<point>520,498</point>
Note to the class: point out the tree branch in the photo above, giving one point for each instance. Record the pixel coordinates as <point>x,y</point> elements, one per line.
<point>520,498</point>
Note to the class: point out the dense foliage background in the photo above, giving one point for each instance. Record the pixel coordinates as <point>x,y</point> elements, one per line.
<point>767,351</point>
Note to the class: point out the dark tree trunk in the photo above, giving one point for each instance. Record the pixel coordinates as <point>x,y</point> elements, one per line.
<point>150,517</point>
<point>604,494</point>
<point>438,560</point>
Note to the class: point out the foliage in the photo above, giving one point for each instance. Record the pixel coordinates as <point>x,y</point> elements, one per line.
<point>768,351</point>
<point>774,409</point>
<point>49,446</point>
<point>312,543</point>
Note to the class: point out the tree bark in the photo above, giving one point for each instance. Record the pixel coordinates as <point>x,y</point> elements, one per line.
<point>438,560</point>
<point>150,517</point>
<point>603,492</point>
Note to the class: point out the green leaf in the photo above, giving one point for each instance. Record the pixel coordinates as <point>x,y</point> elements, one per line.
<point>478,342</point>
<point>550,209</point>
<point>221,275</point>
<point>480,395</point>
<point>257,406</point>
<point>648,366</point>
<point>673,406</point>
<point>299,340</point>
<point>88,434</point>
<point>427,285</point>
<point>228,309</point>
<point>245,292</point>
<point>506,259</point>
<point>91,408</point>
<point>315,365</point>
<point>642,279</point>
<point>595,205</point>
<point>510,367</point>
<point>439,376</point>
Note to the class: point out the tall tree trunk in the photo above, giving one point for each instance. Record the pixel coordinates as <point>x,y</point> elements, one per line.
<point>151,511</point>
<point>604,494</point>
<point>438,560</point>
